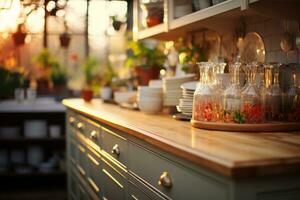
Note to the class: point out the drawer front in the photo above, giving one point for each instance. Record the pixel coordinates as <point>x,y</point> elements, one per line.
<point>136,194</point>
<point>73,184</point>
<point>114,184</point>
<point>81,162</point>
<point>172,179</point>
<point>73,151</point>
<point>114,145</point>
<point>94,172</point>
<point>82,194</point>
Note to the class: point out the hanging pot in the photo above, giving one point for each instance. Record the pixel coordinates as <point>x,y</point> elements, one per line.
<point>117,25</point>
<point>19,38</point>
<point>65,39</point>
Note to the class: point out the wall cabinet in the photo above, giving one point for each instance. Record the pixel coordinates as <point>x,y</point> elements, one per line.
<point>114,165</point>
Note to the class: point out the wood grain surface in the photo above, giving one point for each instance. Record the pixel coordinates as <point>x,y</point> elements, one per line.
<point>235,154</point>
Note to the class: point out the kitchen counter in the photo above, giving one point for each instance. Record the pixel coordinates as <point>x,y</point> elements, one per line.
<point>234,154</point>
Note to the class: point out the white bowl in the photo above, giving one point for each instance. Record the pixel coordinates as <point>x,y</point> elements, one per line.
<point>150,107</point>
<point>125,97</point>
<point>35,128</point>
<point>155,83</point>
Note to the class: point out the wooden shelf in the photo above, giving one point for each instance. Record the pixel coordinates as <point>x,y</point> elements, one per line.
<point>223,17</point>
<point>152,32</point>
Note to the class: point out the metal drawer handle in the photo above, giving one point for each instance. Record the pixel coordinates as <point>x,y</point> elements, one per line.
<point>165,180</point>
<point>80,126</point>
<point>116,150</point>
<point>93,135</point>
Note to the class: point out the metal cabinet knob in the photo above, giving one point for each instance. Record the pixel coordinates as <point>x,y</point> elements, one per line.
<point>93,135</point>
<point>116,150</point>
<point>72,121</point>
<point>80,126</point>
<point>165,180</point>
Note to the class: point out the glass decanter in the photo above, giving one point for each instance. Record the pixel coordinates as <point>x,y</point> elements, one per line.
<point>277,105</point>
<point>252,109</point>
<point>203,105</point>
<point>219,88</point>
<point>232,97</point>
<point>266,91</point>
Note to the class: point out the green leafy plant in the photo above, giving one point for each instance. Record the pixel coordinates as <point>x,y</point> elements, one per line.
<point>58,75</point>
<point>89,67</point>
<point>8,82</point>
<point>191,54</point>
<point>108,75</point>
<point>138,54</point>
<point>45,59</point>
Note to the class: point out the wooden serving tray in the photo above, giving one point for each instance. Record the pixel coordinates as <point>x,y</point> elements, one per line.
<point>264,127</point>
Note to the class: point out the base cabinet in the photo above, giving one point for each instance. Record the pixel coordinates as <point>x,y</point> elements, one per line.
<point>107,164</point>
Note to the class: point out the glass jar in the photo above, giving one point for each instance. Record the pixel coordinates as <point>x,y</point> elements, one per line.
<point>219,88</point>
<point>232,97</point>
<point>252,109</point>
<point>203,105</point>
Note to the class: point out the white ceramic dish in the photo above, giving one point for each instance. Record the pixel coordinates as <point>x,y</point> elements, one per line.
<point>192,85</point>
<point>150,107</point>
<point>35,128</point>
<point>125,97</point>
<point>155,83</point>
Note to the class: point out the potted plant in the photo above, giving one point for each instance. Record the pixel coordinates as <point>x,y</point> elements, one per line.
<point>88,69</point>
<point>59,78</point>
<point>146,60</point>
<point>43,64</point>
<point>107,82</point>
<point>19,36</point>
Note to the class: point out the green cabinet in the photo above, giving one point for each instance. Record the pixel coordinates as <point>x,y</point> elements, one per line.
<point>105,163</point>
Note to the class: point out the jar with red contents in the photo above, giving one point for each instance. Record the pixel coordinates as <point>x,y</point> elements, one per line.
<point>252,107</point>
<point>203,106</point>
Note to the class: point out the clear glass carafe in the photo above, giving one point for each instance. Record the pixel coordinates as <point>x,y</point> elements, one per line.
<point>203,105</point>
<point>232,96</point>
<point>265,91</point>
<point>252,109</point>
<point>277,97</point>
<point>219,88</point>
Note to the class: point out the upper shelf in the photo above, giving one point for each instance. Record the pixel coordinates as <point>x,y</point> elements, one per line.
<point>222,17</point>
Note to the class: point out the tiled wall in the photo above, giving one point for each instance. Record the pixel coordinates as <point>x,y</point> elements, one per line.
<point>271,31</point>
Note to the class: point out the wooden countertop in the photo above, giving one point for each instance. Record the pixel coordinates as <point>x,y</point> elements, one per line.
<point>234,154</point>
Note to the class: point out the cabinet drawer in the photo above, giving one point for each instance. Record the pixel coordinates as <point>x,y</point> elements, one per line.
<point>93,132</point>
<point>136,194</point>
<point>94,171</point>
<point>114,145</point>
<point>114,184</point>
<point>172,179</point>
<point>73,151</point>
<point>81,162</point>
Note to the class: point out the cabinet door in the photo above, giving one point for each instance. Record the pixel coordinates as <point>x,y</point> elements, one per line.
<point>73,185</point>
<point>82,194</point>
<point>114,184</point>
<point>94,172</point>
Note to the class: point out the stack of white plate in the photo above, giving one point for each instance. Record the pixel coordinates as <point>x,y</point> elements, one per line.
<point>171,88</point>
<point>185,105</point>
<point>149,99</point>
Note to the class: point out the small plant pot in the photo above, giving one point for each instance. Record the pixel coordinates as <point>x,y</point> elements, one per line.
<point>117,25</point>
<point>64,40</point>
<point>106,93</point>
<point>144,75</point>
<point>87,95</point>
<point>19,38</point>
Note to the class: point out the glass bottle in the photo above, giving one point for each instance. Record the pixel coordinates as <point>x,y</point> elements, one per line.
<point>232,97</point>
<point>203,96</point>
<point>251,108</point>
<point>276,110</point>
